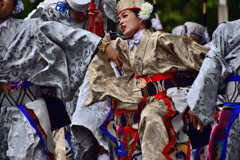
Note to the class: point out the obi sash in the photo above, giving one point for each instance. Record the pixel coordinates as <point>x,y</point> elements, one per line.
<point>5,87</point>
<point>156,86</point>
<point>186,78</point>
<point>152,84</point>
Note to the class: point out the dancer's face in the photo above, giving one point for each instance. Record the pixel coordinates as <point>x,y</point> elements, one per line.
<point>195,38</point>
<point>128,23</point>
<point>78,17</point>
<point>6,7</point>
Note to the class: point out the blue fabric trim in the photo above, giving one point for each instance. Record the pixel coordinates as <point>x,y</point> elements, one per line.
<point>68,139</point>
<point>23,85</point>
<point>234,116</point>
<point>67,134</point>
<point>32,122</point>
<point>201,37</point>
<point>119,150</point>
<point>196,153</point>
<point>69,15</point>
<point>233,78</point>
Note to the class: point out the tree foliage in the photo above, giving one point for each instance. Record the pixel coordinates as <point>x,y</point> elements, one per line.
<point>175,12</point>
<point>29,5</point>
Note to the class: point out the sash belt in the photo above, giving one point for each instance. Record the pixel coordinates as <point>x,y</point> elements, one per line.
<point>157,83</point>
<point>186,78</point>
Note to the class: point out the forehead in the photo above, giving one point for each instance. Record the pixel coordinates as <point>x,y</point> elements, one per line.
<point>194,35</point>
<point>78,13</point>
<point>120,15</point>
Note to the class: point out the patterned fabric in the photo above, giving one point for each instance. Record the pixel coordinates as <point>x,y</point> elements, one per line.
<point>76,108</point>
<point>83,143</point>
<point>153,88</point>
<point>179,121</point>
<point>156,53</point>
<point>63,68</point>
<point>124,121</point>
<point>137,154</point>
<point>130,140</point>
<point>32,113</point>
<point>136,39</point>
<point>60,143</point>
<point>219,63</point>
<point>46,11</point>
<point>96,114</point>
<point>152,122</point>
<point>19,96</point>
<point>127,118</point>
<point>66,53</point>
<point>19,139</point>
<point>3,25</point>
<point>177,55</point>
<point>218,135</point>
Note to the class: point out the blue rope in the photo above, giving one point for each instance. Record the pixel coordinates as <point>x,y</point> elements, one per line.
<point>119,148</point>
<point>61,6</point>
<point>196,153</point>
<point>23,109</point>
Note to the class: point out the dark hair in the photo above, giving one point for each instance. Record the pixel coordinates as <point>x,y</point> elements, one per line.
<point>15,3</point>
<point>148,22</point>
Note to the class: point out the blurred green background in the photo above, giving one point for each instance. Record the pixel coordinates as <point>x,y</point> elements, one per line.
<point>175,12</point>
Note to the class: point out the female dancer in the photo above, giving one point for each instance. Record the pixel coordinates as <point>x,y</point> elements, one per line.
<point>155,59</point>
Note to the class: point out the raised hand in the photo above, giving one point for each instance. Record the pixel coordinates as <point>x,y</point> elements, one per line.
<point>156,23</point>
<point>196,123</point>
<point>97,14</point>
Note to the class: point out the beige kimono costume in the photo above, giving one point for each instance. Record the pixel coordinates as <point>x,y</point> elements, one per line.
<point>156,53</point>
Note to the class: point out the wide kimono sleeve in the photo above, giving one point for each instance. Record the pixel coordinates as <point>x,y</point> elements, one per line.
<point>182,51</point>
<point>103,81</point>
<point>202,96</point>
<point>66,53</point>
<point>161,52</point>
<point>46,11</point>
<point>67,60</point>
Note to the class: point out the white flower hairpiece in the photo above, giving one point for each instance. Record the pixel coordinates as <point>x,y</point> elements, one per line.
<point>146,10</point>
<point>19,7</point>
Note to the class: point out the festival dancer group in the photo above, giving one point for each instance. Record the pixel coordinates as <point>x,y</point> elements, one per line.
<point>176,80</point>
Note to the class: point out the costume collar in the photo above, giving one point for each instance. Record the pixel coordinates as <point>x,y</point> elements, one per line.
<point>136,39</point>
<point>3,25</point>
